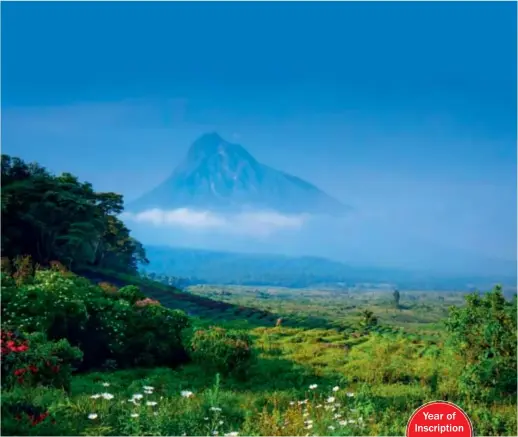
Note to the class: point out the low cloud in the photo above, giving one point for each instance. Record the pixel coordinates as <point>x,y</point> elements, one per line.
<point>251,223</point>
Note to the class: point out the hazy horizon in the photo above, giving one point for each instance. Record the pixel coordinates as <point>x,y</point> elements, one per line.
<point>405,111</point>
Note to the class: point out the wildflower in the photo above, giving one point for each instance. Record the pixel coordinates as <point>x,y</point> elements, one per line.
<point>331,427</point>
<point>148,388</point>
<point>336,388</point>
<point>232,434</point>
<point>187,393</point>
<point>97,396</point>
<point>337,416</point>
<point>148,392</point>
<point>309,426</point>
<point>215,432</point>
<point>305,415</point>
<point>330,399</point>
<point>215,408</point>
<point>137,396</point>
<point>292,403</point>
<point>134,415</point>
<point>107,396</point>
<point>106,384</point>
<point>205,418</point>
<point>308,422</point>
<point>319,406</point>
<point>220,422</point>
<point>351,421</point>
<point>92,416</point>
<point>150,403</point>
<point>155,414</point>
<point>350,394</point>
<point>343,422</point>
<point>313,386</point>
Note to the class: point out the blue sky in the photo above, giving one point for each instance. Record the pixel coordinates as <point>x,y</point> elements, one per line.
<point>406,111</point>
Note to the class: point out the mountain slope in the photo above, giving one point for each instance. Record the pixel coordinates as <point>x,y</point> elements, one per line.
<point>218,175</point>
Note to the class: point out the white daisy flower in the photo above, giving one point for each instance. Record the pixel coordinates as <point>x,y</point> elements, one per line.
<point>313,386</point>
<point>336,388</point>
<point>330,399</point>
<point>107,396</point>
<point>134,415</point>
<point>215,408</point>
<point>150,403</point>
<point>220,422</point>
<point>331,427</point>
<point>137,396</point>
<point>350,394</point>
<point>343,422</point>
<point>92,416</point>
<point>232,434</point>
<point>97,396</point>
<point>148,388</point>
<point>106,384</point>
<point>187,393</point>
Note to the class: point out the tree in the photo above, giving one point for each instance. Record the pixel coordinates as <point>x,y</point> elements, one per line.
<point>369,320</point>
<point>396,298</point>
<point>484,334</point>
<point>60,218</point>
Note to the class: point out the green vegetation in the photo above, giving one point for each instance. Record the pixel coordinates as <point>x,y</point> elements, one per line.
<point>95,349</point>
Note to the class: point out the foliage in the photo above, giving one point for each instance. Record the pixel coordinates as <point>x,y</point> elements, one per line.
<point>131,293</point>
<point>484,333</point>
<point>59,218</point>
<point>225,351</point>
<point>104,325</point>
<point>155,336</point>
<point>33,360</point>
<point>397,297</point>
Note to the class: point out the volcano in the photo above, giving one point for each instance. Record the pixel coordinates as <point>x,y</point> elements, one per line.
<point>220,176</point>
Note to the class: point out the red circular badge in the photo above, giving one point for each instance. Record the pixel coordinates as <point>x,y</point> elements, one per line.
<point>439,418</point>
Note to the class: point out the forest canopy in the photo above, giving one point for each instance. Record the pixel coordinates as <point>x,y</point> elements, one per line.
<point>59,218</point>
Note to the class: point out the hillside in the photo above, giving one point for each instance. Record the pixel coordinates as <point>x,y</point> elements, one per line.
<point>196,266</point>
<point>91,347</point>
<point>218,175</point>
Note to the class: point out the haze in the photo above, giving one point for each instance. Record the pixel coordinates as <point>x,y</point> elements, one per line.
<point>405,111</point>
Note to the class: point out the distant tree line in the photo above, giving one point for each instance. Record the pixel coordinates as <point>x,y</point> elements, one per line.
<point>59,218</point>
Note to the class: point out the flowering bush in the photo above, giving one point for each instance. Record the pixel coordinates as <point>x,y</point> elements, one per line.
<point>117,326</point>
<point>146,302</point>
<point>222,350</point>
<point>32,360</point>
<point>53,303</point>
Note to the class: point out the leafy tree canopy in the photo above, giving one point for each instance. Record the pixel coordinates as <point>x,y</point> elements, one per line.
<point>60,218</point>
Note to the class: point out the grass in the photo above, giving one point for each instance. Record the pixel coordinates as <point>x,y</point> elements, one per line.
<point>382,376</point>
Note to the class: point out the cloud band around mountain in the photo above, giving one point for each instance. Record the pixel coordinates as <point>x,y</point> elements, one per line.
<point>251,223</point>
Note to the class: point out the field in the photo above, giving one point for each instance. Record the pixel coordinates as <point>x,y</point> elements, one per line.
<point>320,366</point>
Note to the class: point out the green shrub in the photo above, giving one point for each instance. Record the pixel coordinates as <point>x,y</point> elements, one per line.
<point>32,360</point>
<point>118,326</point>
<point>484,333</point>
<point>26,411</point>
<point>131,293</point>
<point>222,350</point>
<point>154,337</point>
<point>53,303</point>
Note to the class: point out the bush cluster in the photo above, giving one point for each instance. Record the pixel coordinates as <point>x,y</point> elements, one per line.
<point>223,350</point>
<point>105,323</point>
